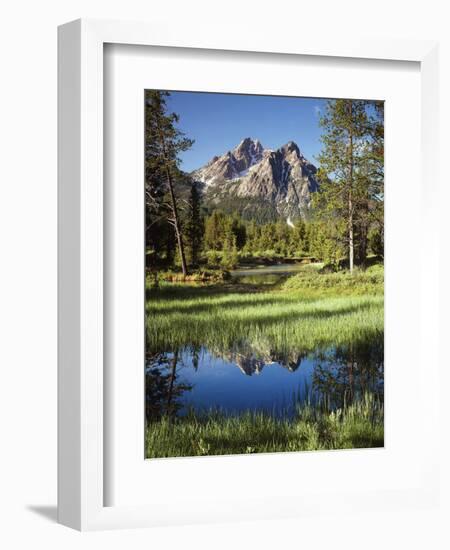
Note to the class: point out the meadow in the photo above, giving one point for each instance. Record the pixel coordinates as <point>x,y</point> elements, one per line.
<point>308,311</point>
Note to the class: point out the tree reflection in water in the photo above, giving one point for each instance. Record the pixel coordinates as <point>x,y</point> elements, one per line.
<point>163,390</point>
<point>339,377</point>
<point>345,374</point>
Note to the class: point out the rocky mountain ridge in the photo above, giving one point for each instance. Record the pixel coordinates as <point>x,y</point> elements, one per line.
<point>281,179</point>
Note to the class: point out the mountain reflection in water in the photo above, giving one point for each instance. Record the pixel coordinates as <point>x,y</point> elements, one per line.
<point>249,377</point>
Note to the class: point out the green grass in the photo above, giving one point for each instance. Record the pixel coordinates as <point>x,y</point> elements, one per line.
<point>357,426</point>
<point>360,282</point>
<point>197,276</point>
<point>309,311</point>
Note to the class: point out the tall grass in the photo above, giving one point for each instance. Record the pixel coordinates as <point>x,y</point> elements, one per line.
<point>359,282</point>
<point>307,312</point>
<point>359,425</point>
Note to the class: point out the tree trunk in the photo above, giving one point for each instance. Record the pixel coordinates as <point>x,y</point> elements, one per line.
<point>362,245</point>
<point>351,247</point>
<point>176,222</point>
<point>173,200</point>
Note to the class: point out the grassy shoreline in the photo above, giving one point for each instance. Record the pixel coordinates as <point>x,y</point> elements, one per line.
<point>308,311</point>
<point>360,425</point>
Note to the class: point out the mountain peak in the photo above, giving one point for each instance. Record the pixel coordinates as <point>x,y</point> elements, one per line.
<point>283,179</point>
<point>249,145</point>
<point>249,141</point>
<point>290,147</point>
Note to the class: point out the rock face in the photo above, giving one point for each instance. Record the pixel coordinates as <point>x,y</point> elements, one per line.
<point>282,180</point>
<point>232,165</point>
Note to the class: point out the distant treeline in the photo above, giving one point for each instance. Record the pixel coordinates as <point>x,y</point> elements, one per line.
<point>218,239</point>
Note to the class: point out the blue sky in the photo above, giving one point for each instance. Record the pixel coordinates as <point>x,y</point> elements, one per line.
<point>218,122</point>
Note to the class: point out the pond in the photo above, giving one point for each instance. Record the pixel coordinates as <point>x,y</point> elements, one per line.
<point>253,375</point>
<point>266,274</point>
<point>244,379</point>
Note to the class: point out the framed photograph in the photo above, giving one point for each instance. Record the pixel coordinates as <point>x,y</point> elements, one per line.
<point>264,327</point>
<point>239,334</point>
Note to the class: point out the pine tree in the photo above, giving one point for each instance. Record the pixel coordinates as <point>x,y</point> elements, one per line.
<point>344,189</point>
<point>194,226</point>
<point>239,230</point>
<point>163,143</point>
<point>217,228</point>
<point>229,252</point>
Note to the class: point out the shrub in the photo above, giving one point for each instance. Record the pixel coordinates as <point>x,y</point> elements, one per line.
<point>212,258</point>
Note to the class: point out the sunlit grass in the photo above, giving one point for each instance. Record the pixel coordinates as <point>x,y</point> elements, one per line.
<point>307,312</point>
<point>357,426</point>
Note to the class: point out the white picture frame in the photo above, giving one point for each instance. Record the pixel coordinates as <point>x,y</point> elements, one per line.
<point>81,479</point>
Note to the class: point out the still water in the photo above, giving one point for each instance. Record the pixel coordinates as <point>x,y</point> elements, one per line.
<point>240,380</point>
<point>247,377</point>
<point>265,275</point>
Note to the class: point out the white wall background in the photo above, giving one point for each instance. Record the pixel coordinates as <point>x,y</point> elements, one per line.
<point>28,268</point>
